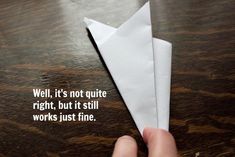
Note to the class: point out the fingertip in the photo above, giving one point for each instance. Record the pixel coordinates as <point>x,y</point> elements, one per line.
<point>125,146</point>
<point>148,133</point>
<point>159,142</point>
<point>126,138</point>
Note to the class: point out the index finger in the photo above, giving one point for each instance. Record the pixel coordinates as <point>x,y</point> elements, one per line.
<point>160,143</point>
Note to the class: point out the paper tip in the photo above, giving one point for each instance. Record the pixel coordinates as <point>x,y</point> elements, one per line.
<point>87,21</point>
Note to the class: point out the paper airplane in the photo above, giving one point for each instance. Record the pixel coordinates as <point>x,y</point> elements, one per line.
<point>140,66</point>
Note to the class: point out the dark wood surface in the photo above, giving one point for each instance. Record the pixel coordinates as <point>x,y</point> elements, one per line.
<point>203,72</point>
<point>44,44</point>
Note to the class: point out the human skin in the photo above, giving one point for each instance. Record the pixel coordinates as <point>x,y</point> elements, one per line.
<point>160,143</point>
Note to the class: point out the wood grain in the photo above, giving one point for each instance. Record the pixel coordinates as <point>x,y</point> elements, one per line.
<point>203,68</point>
<point>44,44</point>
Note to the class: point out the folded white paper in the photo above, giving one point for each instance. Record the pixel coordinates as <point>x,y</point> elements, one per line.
<point>140,66</point>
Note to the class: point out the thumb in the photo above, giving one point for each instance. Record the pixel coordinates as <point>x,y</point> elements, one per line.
<point>160,143</point>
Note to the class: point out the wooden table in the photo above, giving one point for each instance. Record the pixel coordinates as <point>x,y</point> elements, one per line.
<point>44,44</point>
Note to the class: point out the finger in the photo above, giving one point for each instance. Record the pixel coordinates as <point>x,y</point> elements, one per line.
<point>125,147</point>
<point>160,143</point>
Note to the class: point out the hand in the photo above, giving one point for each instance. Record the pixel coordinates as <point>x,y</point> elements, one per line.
<point>160,144</point>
